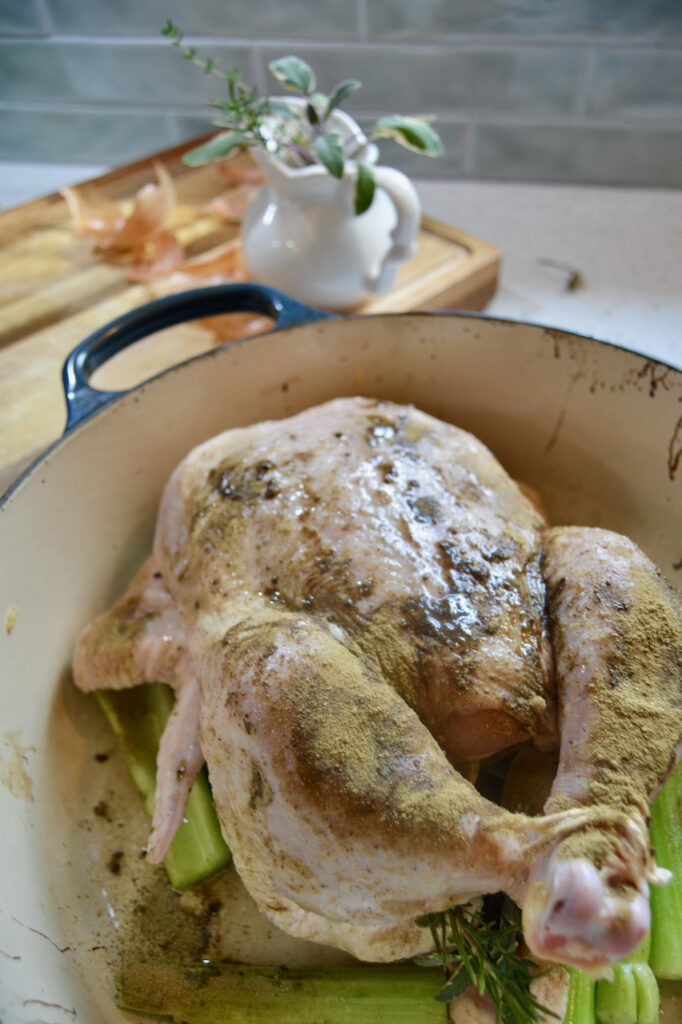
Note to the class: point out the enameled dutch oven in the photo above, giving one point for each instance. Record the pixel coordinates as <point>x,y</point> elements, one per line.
<point>595,429</point>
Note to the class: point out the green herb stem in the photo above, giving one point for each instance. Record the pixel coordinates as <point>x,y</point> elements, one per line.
<point>175,35</point>
<point>474,951</point>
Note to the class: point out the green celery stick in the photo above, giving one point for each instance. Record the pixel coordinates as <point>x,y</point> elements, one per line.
<point>633,972</point>
<point>363,994</point>
<point>640,954</point>
<point>616,1000</point>
<point>580,1002</point>
<point>138,717</point>
<point>665,958</point>
<point>648,997</point>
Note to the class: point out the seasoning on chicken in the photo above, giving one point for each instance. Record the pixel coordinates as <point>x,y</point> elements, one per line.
<point>365,604</point>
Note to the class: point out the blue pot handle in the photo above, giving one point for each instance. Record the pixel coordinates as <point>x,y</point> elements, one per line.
<point>82,400</point>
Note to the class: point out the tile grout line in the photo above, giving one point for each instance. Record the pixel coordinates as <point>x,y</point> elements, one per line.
<point>570,119</point>
<point>45,17</point>
<point>362,20</point>
<point>490,43</point>
<point>585,83</point>
<point>469,155</point>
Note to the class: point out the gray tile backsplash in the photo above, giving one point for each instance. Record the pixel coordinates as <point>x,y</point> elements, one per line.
<point>21,18</point>
<point>632,84</point>
<point>436,19</point>
<point>80,136</point>
<point>578,153</point>
<point>528,90</point>
<point>219,19</point>
<point>461,80</point>
<point>112,72</point>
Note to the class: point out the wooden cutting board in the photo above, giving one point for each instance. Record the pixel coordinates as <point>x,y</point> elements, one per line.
<point>56,289</point>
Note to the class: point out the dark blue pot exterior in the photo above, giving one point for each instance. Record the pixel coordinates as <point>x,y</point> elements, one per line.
<point>82,400</point>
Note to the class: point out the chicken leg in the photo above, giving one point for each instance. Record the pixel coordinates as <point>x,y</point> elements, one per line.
<point>344,816</point>
<point>617,638</point>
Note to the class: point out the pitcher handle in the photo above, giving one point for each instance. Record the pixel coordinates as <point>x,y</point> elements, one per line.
<point>404,197</point>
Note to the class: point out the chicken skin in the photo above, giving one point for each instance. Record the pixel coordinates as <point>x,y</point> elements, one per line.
<point>354,606</point>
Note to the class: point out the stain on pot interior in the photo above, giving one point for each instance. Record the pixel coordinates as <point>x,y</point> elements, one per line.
<point>11,616</point>
<point>14,766</point>
<point>111,904</point>
<point>675,449</point>
<point>657,375</point>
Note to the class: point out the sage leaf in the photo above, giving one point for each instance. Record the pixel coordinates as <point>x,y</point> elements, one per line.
<point>319,100</point>
<point>261,107</point>
<point>339,94</point>
<point>328,150</point>
<point>217,148</point>
<point>411,132</point>
<point>294,73</point>
<point>279,108</point>
<point>364,188</point>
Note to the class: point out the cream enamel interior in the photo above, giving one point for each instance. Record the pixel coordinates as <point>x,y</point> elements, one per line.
<point>597,430</point>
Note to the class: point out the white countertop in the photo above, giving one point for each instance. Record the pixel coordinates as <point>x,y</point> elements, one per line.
<point>626,245</point>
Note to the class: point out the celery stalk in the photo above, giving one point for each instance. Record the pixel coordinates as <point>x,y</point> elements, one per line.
<point>137,718</point>
<point>640,954</point>
<point>665,958</point>
<point>632,997</point>
<point>580,1002</point>
<point>244,994</point>
<point>616,1000</point>
<point>648,998</point>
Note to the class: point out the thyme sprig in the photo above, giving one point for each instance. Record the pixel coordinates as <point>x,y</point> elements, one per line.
<point>299,136</point>
<point>243,113</point>
<point>474,950</point>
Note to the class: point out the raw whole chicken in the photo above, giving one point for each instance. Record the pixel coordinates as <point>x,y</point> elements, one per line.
<point>356,604</point>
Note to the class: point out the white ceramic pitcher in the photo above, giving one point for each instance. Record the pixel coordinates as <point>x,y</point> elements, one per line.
<point>301,234</point>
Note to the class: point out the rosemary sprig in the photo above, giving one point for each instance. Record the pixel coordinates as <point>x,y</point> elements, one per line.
<point>474,950</point>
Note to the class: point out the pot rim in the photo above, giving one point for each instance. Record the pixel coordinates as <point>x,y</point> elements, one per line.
<point>105,399</point>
